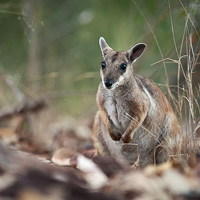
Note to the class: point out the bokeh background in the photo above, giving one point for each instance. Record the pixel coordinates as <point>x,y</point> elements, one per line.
<point>49,49</point>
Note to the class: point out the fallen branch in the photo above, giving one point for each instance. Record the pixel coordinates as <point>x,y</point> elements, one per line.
<point>27,107</point>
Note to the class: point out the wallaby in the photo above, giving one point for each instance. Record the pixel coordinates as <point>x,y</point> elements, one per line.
<point>135,121</point>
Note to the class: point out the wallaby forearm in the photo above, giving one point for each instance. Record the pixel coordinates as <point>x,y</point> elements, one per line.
<point>135,123</point>
<point>114,134</point>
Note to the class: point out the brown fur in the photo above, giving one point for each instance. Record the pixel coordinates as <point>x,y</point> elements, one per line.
<point>135,120</point>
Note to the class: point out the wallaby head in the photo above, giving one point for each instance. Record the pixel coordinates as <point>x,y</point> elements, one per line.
<point>116,68</point>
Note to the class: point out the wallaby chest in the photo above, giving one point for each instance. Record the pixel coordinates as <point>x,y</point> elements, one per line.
<point>119,111</point>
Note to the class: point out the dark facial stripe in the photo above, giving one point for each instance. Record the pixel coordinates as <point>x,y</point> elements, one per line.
<point>115,57</point>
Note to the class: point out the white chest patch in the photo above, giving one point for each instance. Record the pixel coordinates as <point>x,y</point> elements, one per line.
<point>112,112</point>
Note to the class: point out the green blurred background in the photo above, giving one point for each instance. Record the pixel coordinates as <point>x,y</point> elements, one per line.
<point>50,50</point>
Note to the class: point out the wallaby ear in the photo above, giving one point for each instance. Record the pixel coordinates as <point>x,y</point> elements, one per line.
<point>104,46</point>
<point>136,51</point>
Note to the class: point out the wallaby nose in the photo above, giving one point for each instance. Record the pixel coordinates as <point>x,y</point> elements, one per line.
<point>108,83</point>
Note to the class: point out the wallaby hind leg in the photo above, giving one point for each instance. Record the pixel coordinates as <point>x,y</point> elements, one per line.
<point>146,159</point>
<point>146,150</point>
<point>161,155</point>
<point>97,136</point>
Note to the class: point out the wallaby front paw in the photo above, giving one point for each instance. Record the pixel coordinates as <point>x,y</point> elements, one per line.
<point>115,136</point>
<point>126,138</point>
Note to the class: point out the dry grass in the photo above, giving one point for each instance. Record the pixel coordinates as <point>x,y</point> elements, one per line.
<point>187,94</point>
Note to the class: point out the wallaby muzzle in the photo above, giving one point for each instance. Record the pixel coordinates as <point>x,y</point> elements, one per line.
<point>108,83</point>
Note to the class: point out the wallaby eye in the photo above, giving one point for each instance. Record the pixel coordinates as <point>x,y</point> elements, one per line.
<point>103,65</point>
<point>123,67</point>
